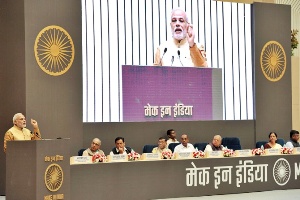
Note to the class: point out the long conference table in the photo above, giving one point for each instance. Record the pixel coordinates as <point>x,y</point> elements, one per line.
<point>184,178</point>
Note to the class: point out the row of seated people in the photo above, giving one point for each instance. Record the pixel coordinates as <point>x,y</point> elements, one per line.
<point>276,143</point>
<point>162,145</point>
<point>217,144</point>
<point>174,146</point>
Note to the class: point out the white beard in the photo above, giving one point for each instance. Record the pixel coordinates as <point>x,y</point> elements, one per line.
<point>179,36</point>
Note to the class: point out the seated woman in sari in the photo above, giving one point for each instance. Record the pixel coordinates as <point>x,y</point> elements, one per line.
<point>272,142</point>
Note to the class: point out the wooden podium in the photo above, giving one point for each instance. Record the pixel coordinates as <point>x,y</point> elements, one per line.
<point>38,169</point>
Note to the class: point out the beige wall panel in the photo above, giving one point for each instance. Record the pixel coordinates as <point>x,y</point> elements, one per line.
<point>295,92</point>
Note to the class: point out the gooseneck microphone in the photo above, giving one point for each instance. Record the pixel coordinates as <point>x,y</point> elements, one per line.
<point>36,134</point>
<point>178,52</point>
<point>165,50</point>
<point>172,60</point>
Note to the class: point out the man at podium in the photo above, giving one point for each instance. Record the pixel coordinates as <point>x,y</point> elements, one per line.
<point>181,50</point>
<point>20,132</point>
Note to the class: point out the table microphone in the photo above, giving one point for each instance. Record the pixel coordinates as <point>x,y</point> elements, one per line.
<point>178,52</point>
<point>165,50</point>
<point>172,60</point>
<point>36,134</point>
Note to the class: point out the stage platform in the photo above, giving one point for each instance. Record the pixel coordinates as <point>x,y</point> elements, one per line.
<point>184,178</point>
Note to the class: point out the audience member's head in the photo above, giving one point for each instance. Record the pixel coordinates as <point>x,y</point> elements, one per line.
<point>171,134</point>
<point>95,145</point>
<point>294,135</point>
<point>217,140</point>
<point>272,137</point>
<point>120,143</point>
<point>162,143</point>
<point>184,140</point>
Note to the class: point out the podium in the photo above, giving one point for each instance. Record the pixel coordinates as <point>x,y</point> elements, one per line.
<point>38,169</point>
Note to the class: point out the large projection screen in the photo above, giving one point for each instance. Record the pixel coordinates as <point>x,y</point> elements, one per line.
<point>120,32</point>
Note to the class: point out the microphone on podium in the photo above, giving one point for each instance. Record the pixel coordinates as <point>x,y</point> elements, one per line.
<point>165,50</point>
<point>172,60</point>
<point>36,134</point>
<point>178,52</point>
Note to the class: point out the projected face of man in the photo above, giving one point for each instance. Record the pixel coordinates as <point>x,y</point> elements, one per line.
<point>179,24</point>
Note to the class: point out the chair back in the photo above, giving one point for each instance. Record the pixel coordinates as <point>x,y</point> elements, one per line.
<point>280,141</point>
<point>260,143</point>
<point>80,152</point>
<point>148,148</point>
<point>200,146</point>
<point>172,146</point>
<point>232,143</point>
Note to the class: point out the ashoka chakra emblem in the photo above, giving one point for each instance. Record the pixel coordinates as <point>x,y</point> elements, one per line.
<point>281,171</point>
<point>273,61</point>
<point>53,177</point>
<point>54,50</point>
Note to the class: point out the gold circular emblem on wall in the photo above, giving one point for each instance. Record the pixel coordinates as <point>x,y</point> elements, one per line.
<point>54,177</point>
<point>273,61</point>
<point>54,50</point>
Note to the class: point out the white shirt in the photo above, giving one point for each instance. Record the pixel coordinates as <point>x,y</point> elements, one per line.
<point>208,148</point>
<point>169,141</point>
<point>124,152</point>
<point>180,148</point>
<point>289,144</point>
<point>177,54</point>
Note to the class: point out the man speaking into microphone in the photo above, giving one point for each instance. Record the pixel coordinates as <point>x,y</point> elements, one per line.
<point>181,50</point>
<point>20,132</point>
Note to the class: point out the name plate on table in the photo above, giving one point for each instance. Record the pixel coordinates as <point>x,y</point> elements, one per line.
<point>214,154</point>
<point>117,158</point>
<point>151,156</point>
<point>76,160</point>
<point>243,153</point>
<point>184,155</point>
<point>296,150</point>
<point>270,152</point>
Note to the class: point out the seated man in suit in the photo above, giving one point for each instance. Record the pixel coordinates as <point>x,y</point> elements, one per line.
<point>162,146</point>
<point>185,146</point>
<point>294,137</point>
<point>120,147</point>
<point>215,145</point>
<point>94,148</point>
